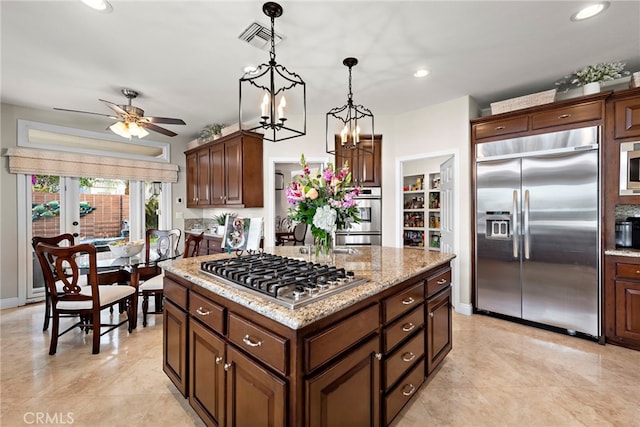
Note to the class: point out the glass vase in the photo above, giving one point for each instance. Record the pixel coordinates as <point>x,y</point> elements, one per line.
<point>324,248</point>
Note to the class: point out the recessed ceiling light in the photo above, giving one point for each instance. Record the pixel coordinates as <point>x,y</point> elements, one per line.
<point>99,5</point>
<point>422,72</point>
<point>589,11</point>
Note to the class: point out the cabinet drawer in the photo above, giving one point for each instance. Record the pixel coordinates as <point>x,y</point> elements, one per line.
<point>627,118</point>
<point>402,359</point>
<point>339,337</point>
<point>628,271</point>
<point>437,283</point>
<point>402,302</point>
<point>176,293</point>
<point>400,395</point>
<point>501,127</point>
<point>266,346</point>
<point>567,115</point>
<point>207,312</point>
<point>403,327</point>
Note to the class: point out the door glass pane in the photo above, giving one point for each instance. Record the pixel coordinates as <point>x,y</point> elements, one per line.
<point>45,217</point>
<point>152,199</point>
<point>104,211</point>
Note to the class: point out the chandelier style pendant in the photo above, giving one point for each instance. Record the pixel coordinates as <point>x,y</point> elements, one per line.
<point>349,126</point>
<point>272,98</point>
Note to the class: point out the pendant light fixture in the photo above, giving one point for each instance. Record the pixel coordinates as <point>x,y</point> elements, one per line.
<point>276,96</point>
<point>348,126</point>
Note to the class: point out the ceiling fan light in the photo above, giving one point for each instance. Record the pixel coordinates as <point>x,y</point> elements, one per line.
<point>120,129</point>
<point>99,5</point>
<point>142,132</point>
<point>589,11</point>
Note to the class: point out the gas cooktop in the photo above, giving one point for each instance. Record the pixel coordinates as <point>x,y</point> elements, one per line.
<point>286,281</point>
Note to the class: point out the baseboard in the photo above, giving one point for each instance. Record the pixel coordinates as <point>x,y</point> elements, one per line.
<point>8,303</point>
<point>466,309</point>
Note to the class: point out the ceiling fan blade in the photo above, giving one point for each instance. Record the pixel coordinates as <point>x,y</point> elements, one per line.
<point>164,120</point>
<point>155,128</point>
<point>115,107</point>
<point>86,112</point>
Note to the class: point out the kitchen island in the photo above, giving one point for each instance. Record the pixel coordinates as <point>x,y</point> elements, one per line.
<point>352,358</point>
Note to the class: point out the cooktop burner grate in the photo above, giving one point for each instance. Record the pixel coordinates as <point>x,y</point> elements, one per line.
<point>289,282</point>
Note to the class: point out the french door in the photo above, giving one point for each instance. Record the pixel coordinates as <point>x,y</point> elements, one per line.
<point>95,211</point>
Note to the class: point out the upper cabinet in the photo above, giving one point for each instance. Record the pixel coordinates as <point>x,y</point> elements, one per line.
<point>365,166</point>
<point>226,172</point>
<point>626,112</point>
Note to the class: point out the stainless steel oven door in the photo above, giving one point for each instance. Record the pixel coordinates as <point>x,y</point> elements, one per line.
<point>355,239</point>
<point>369,211</point>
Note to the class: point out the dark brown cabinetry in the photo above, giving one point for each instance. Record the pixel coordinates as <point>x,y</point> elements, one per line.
<point>174,346</point>
<point>622,301</point>
<point>358,366</point>
<point>226,172</point>
<point>365,166</point>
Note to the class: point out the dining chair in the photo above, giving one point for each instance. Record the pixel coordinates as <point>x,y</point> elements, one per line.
<point>66,239</point>
<point>160,245</point>
<point>298,236</point>
<point>60,264</point>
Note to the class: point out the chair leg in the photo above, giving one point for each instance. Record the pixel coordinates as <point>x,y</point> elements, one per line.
<point>158,301</point>
<point>96,331</point>
<point>47,309</point>
<point>54,334</point>
<point>145,308</point>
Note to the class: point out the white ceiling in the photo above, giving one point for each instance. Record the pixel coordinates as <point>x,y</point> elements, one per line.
<point>185,58</point>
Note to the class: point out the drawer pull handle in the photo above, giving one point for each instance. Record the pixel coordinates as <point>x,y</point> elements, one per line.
<point>227,366</point>
<point>408,301</point>
<point>431,314</point>
<point>637,271</point>
<point>564,116</point>
<point>408,327</point>
<point>441,281</point>
<point>409,392</point>
<point>500,127</point>
<point>379,356</point>
<point>201,311</point>
<point>408,357</point>
<point>251,342</point>
<point>218,360</point>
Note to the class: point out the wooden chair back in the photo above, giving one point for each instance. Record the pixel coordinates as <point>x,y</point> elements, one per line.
<point>161,244</point>
<point>66,239</point>
<point>299,233</point>
<point>60,263</point>
<point>192,245</point>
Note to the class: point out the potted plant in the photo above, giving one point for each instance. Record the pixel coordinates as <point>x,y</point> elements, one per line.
<point>591,76</point>
<point>210,132</point>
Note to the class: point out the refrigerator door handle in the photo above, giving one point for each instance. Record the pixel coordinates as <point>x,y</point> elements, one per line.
<point>514,235</point>
<point>527,237</point>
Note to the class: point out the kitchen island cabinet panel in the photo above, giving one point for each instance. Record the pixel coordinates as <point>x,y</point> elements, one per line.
<point>346,393</point>
<point>439,329</point>
<point>255,396</point>
<point>174,355</point>
<point>402,393</point>
<point>206,388</point>
<point>401,360</point>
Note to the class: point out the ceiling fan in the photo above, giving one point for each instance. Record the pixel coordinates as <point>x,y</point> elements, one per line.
<point>131,119</point>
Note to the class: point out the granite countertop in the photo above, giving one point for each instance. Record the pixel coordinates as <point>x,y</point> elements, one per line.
<point>382,266</point>
<point>628,252</point>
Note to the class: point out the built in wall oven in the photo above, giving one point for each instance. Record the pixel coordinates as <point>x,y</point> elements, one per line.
<point>369,230</point>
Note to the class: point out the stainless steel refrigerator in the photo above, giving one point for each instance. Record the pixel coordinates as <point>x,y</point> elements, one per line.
<point>537,229</point>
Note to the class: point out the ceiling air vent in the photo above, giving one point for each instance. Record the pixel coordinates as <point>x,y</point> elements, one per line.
<point>259,36</point>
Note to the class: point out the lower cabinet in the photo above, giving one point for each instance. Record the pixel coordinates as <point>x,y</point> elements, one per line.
<point>206,371</point>
<point>255,396</point>
<point>174,345</point>
<point>439,334</point>
<point>622,301</point>
<point>346,393</point>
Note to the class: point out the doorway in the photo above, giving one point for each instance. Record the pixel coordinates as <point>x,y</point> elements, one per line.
<point>445,167</point>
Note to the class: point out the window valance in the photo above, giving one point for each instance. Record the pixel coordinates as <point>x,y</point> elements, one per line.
<point>49,162</point>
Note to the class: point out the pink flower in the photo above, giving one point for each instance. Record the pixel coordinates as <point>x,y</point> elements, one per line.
<point>295,193</point>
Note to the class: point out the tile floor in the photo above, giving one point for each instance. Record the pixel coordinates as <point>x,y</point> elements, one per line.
<point>498,374</point>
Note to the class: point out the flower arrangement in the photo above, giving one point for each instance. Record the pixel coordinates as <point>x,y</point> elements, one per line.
<point>325,201</point>
<point>599,72</point>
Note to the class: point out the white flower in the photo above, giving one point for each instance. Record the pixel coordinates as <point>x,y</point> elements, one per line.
<point>325,218</point>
